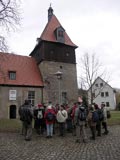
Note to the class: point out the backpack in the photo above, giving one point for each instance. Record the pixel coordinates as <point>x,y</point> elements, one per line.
<point>82,115</point>
<point>39,114</point>
<point>95,116</point>
<point>50,116</point>
<point>101,115</point>
<point>108,114</point>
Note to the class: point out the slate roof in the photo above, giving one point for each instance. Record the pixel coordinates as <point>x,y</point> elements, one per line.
<point>49,35</point>
<point>27,71</point>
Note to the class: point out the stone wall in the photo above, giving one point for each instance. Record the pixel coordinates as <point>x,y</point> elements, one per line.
<point>68,83</point>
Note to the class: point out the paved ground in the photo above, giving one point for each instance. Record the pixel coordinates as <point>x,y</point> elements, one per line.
<point>13,147</point>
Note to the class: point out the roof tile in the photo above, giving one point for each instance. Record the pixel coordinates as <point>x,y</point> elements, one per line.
<point>27,71</point>
<point>48,33</point>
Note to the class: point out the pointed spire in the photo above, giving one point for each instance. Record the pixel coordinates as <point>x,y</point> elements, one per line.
<point>50,12</point>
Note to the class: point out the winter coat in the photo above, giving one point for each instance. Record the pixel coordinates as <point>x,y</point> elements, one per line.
<point>45,115</point>
<point>73,111</point>
<point>26,113</point>
<point>62,115</point>
<point>105,109</point>
<point>91,123</point>
<point>77,121</point>
<point>36,112</point>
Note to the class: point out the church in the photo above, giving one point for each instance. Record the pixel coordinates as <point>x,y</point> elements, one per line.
<point>47,74</point>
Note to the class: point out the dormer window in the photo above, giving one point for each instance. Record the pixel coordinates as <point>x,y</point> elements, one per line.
<point>59,34</point>
<point>12,75</point>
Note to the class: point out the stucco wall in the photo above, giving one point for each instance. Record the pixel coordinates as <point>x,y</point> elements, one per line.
<point>106,88</point>
<point>21,95</point>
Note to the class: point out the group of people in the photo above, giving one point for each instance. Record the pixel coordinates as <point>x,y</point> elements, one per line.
<point>73,119</point>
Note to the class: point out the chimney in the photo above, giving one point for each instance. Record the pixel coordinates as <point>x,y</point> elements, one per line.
<point>50,13</point>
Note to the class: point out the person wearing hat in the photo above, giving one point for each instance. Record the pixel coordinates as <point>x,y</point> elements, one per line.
<point>49,120</point>
<point>39,124</point>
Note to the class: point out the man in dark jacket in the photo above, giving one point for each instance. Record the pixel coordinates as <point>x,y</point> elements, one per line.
<point>26,115</point>
<point>99,122</point>
<point>80,121</point>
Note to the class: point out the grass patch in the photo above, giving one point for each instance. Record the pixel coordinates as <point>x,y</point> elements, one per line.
<point>115,118</point>
<point>12,125</point>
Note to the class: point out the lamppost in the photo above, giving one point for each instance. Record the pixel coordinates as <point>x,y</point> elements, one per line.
<point>59,77</point>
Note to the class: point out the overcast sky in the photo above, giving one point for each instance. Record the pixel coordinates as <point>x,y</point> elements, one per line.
<point>93,25</point>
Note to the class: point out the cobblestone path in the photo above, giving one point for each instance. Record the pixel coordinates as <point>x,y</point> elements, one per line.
<point>14,147</point>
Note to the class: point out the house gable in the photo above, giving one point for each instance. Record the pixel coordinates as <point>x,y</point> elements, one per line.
<point>49,32</point>
<point>102,92</point>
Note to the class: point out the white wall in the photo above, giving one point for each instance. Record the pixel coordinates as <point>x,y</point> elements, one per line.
<point>106,88</point>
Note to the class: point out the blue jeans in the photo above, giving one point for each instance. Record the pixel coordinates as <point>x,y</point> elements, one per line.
<point>49,129</point>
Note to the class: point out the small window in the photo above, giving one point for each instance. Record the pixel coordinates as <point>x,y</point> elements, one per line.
<point>107,104</point>
<point>31,97</point>
<point>106,94</point>
<point>102,94</point>
<point>12,75</point>
<point>101,84</point>
<point>96,85</point>
<point>51,52</point>
<point>61,67</point>
<point>51,55</point>
<point>60,33</point>
<point>67,54</point>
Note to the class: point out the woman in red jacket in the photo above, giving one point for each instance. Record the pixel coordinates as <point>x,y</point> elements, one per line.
<point>50,120</point>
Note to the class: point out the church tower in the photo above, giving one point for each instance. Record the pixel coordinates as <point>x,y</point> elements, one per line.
<point>55,56</point>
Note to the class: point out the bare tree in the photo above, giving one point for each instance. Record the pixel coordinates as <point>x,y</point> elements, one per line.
<point>3,44</point>
<point>9,19</point>
<point>91,68</point>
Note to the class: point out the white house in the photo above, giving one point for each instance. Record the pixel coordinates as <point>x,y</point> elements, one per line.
<point>102,92</point>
